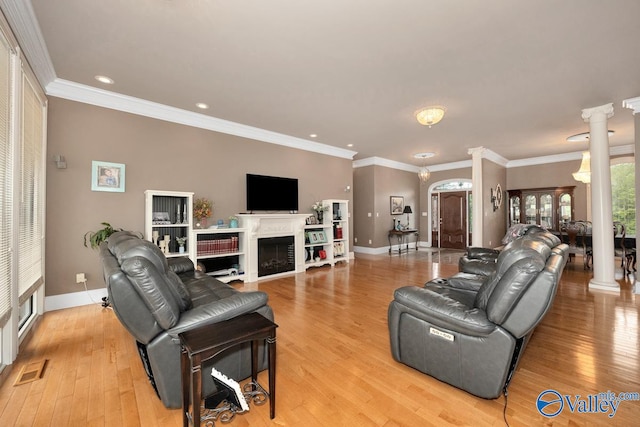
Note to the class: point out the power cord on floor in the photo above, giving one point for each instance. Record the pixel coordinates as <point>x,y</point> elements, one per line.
<point>504,411</point>
<point>105,300</point>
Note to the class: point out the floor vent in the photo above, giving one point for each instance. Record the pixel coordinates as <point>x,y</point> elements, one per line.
<point>30,372</point>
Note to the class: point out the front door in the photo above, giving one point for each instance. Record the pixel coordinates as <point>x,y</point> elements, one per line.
<point>453,220</point>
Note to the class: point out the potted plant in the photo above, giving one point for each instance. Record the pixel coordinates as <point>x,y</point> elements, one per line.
<point>94,238</point>
<point>202,209</point>
<point>181,241</point>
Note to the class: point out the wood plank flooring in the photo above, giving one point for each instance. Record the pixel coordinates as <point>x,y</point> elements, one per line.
<point>334,363</point>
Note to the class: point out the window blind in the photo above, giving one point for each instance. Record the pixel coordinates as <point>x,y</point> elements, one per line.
<point>6,174</point>
<point>31,224</point>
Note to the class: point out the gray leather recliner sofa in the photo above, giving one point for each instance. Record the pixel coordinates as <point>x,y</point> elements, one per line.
<point>482,261</point>
<point>156,299</point>
<point>473,339</point>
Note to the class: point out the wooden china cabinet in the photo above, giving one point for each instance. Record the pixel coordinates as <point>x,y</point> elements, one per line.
<point>549,207</point>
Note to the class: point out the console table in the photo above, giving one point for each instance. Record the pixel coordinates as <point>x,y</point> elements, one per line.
<point>201,344</point>
<point>402,236</point>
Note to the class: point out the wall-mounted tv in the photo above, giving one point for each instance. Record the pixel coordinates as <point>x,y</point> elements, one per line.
<point>271,193</point>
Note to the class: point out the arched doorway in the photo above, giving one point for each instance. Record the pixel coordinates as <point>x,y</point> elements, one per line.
<point>450,203</point>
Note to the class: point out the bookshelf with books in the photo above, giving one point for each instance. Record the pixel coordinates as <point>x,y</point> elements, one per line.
<point>338,217</point>
<point>328,242</point>
<point>219,252</point>
<point>167,220</point>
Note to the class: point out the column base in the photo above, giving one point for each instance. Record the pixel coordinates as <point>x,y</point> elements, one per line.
<point>595,285</point>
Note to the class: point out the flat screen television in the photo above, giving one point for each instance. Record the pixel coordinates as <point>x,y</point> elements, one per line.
<point>271,193</point>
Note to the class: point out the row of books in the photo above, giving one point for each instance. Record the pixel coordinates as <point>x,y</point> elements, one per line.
<point>217,246</point>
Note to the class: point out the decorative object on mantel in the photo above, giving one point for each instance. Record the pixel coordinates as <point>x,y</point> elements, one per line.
<point>496,198</point>
<point>233,221</point>
<point>319,209</point>
<point>202,209</point>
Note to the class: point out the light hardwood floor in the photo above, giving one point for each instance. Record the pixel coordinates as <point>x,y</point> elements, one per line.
<point>334,363</point>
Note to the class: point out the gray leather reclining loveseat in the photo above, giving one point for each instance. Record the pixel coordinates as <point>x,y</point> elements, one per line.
<point>156,299</point>
<point>482,261</point>
<point>472,338</point>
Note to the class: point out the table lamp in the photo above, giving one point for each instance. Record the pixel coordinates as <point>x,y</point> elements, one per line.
<point>407,210</point>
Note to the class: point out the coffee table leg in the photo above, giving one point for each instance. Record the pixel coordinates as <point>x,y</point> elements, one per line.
<point>185,387</point>
<point>271,343</point>
<point>254,361</point>
<point>196,391</point>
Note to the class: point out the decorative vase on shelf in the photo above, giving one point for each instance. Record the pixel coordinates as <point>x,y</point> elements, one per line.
<point>201,223</point>
<point>181,249</point>
<point>233,223</point>
<point>320,215</point>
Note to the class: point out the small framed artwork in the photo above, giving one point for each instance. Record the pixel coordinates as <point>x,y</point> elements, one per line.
<point>322,237</point>
<point>397,205</point>
<point>106,176</point>
<point>313,237</point>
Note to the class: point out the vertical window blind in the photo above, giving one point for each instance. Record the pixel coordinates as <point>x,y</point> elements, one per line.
<point>31,223</point>
<point>6,189</point>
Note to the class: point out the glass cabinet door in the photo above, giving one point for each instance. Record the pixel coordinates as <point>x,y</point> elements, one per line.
<point>531,209</point>
<point>514,210</point>
<point>565,208</point>
<point>546,211</point>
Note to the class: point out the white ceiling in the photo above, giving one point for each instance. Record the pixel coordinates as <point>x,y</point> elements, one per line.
<point>514,75</point>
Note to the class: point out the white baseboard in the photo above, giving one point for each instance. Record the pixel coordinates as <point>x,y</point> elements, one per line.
<point>74,299</point>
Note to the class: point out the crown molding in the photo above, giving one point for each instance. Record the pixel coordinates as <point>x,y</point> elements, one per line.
<point>380,161</point>
<point>102,98</point>
<point>619,150</point>
<point>23,22</point>
<point>633,104</point>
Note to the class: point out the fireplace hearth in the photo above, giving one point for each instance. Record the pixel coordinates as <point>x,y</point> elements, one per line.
<point>276,255</point>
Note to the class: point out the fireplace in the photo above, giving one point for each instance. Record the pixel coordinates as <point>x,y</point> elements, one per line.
<point>272,226</point>
<point>276,255</point>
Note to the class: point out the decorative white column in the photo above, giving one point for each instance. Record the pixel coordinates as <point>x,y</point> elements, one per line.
<point>601,210</point>
<point>634,104</point>
<point>478,198</point>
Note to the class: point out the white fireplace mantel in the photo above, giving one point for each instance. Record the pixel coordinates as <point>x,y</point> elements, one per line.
<point>272,225</point>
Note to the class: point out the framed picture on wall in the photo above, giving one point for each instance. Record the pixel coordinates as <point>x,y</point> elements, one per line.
<point>397,205</point>
<point>106,176</point>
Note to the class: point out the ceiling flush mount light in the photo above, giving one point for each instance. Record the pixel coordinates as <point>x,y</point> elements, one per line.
<point>202,105</point>
<point>584,173</point>
<point>579,137</point>
<point>104,79</point>
<point>423,173</point>
<point>429,116</point>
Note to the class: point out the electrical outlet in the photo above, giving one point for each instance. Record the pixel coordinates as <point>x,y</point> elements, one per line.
<point>80,278</point>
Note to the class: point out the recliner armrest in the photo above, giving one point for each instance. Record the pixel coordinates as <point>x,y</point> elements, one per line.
<point>482,253</point>
<point>217,311</point>
<point>180,265</point>
<point>445,312</point>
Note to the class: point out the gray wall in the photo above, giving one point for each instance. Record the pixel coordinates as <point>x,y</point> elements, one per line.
<point>159,156</point>
<point>374,186</point>
<point>494,223</point>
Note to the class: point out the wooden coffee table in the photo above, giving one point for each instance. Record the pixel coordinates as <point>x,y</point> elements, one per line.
<point>201,344</point>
